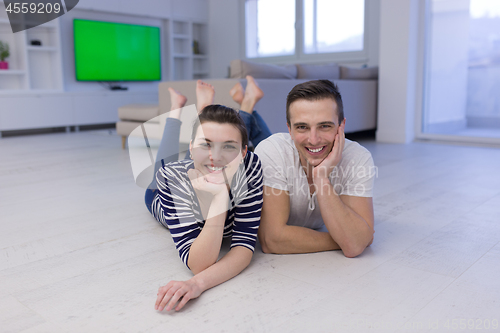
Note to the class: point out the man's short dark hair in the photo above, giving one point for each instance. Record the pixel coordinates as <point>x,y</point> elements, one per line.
<point>314,91</point>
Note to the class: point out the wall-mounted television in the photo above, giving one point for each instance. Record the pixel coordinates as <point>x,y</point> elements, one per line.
<point>112,52</point>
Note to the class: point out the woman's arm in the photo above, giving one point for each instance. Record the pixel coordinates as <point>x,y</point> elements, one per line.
<point>247,217</point>
<point>173,207</point>
<point>206,247</point>
<point>235,261</point>
<point>168,151</point>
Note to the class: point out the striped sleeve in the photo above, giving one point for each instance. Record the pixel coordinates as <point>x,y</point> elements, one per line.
<point>248,205</point>
<point>173,207</point>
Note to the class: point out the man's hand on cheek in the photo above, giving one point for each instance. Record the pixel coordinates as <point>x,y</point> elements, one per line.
<point>323,170</point>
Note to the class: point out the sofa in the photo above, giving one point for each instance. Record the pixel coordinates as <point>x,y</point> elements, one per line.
<point>358,87</point>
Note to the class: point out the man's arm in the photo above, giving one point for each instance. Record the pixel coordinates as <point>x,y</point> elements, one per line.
<point>349,219</point>
<point>276,236</point>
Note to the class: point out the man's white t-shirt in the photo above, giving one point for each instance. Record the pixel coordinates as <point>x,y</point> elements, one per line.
<point>354,176</point>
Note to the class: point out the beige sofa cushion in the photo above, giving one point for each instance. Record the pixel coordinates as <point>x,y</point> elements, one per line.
<point>315,72</point>
<point>154,130</point>
<point>138,112</point>
<point>350,73</point>
<point>242,68</point>
<point>124,128</point>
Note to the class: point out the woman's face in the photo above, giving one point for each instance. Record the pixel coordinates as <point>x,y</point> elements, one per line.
<point>216,151</point>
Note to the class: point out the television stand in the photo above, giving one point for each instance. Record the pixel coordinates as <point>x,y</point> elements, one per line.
<point>111,87</point>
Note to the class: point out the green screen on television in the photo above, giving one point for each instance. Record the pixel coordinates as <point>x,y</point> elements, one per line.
<point>107,51</point>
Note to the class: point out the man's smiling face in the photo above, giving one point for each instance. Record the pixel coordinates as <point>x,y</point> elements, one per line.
<point>313,126</point>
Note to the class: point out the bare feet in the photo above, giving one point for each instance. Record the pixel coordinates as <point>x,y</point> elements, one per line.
<point>177,102</point>
<point>253,94</point>
<point>237,92</point>
<point>204,95</point>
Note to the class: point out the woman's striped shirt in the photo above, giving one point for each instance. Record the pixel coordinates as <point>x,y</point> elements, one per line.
<point>176,206</point>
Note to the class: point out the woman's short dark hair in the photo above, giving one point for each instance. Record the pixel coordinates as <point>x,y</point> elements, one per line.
<point>314,91</point>
<point>222,115</point>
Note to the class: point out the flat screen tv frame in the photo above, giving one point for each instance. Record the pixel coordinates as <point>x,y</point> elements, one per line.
<point>118,54</point>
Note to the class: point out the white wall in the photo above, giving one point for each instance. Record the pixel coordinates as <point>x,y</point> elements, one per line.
<point>193,9</point>
<point>223,35</point>
<point>399,36</point>
<point>196,9</point>
<point>156,8</point>
<point>373,32</point>
<point>226,21</point>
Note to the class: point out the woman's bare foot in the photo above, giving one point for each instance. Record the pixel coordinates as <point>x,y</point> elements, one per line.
<point>204,95</point>
<point>253,94</point>
<point>177,102</point>
<point>237,92</point>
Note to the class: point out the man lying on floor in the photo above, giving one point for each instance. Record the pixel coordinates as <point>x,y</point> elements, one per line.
<point>317,185</point>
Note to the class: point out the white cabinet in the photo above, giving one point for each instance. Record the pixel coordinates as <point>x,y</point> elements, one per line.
<point>36,111</point>
<point>102,108</point>
<point>29,110</point>
<point>96,109</point>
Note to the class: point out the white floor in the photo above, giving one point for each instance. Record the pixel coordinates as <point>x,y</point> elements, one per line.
<point>79,252</point>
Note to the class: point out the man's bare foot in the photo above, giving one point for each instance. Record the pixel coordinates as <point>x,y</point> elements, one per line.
<point>204,95</point>
<point>177,102</point>
<point>237,92</point>
<point>253,94</point>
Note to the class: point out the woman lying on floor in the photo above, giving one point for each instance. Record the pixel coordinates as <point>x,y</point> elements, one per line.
<point>215,193</point>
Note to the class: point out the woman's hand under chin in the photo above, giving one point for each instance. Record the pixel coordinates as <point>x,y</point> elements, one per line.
<point>213,184</point>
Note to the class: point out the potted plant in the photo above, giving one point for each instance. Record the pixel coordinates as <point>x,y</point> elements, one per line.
<point>4,53</point>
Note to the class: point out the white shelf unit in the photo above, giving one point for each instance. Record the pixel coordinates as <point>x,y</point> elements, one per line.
<point>16,76</point>
<point>200,60</point>
<point>31,68</point>
<point>42,48</point>
<point>184,64</point>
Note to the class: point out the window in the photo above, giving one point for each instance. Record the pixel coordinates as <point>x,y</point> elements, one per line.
<point>270,27</point>
<point>462,71</point>
<point>324,26</point>
<point>333,26</point>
